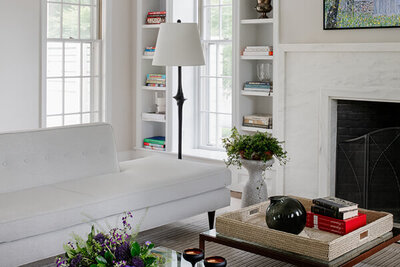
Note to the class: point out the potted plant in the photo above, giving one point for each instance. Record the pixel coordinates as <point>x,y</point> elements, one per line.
<point>256,153</point>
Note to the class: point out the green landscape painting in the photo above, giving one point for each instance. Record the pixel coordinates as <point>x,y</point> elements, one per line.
<point>354,14</point>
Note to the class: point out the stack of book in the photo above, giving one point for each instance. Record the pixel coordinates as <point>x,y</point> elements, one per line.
<point>154,143</point>
<point>335,215</point>
<point>152,116</point>
<point>149,51</point>
<point>156,80</point>
<point>258,120</point>
<point>156,17</point>
<point>258,87</point>
<point>258,51</point>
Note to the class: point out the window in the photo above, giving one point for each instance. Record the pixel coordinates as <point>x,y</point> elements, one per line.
<point>215,97</point>
<point>72,86</point>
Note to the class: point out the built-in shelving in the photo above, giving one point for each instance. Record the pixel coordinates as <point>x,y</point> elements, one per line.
<point>257,21</point>
<point>146,95</point>
<point>255,93</point>
<point>153,88</point>
<point>256,129</point>
<point>151,26</point>
<point>257,57</point>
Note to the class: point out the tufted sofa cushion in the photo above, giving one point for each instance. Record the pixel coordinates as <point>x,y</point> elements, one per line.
<point>48,156</point>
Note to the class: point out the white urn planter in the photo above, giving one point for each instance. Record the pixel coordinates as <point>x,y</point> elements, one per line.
<point>255,190</point>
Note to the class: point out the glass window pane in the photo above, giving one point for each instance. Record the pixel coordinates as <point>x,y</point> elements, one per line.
<point>225,60</point>
<point>86,118</point>
<point>86,95</point>
<point>226,2</point>
<point>212,98</point>
<point>225,95</point>
<point>72,59</point>
<point>212,127</point>
<point>96,94</point>
<point>54,121</point>
<point>86,59</point>
<point>86,2</point>
<point>53,20</point>
<point>72,95</point>
<point>70,21</point>
<point>86,19</point>
<point>212,60</point>
<point>212,19</point>
<point>224,128</point>
<point>72,119</point>
<point>227,22</point>
<point>54,59</point>
<point>54,96</point>
<point>211,2</point>
<point>71,1</point>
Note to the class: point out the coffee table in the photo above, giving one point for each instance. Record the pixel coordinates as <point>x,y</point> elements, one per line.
<point>349,259</point>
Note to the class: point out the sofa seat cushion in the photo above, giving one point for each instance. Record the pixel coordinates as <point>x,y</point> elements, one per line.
<point>141,183</point>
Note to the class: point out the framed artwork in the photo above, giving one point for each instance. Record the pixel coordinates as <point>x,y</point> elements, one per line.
<point>359,14</point>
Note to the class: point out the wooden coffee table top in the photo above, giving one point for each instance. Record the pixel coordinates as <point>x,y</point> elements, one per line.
<point>349,259</point>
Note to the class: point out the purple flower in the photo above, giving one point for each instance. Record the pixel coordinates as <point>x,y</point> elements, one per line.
<point>148,243</point>
<point>100,238</point>
<point>137,262</point>
<point>123,252</point>
<point>76,261</point>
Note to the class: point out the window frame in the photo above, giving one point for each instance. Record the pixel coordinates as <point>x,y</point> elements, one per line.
<point>200,76</point>
<point>98,42</point>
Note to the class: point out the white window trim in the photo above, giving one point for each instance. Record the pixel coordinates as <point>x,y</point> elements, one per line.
<point>105,67</point>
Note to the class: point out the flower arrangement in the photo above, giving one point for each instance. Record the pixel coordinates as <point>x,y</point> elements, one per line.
<point>115,248</point>
<point>260,146</point>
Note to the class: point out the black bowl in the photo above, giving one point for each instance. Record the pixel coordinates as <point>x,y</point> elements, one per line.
<point>215,261</point>
<point>193,255</point>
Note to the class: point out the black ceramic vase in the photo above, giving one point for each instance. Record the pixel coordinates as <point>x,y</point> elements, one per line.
<point>286,214</point>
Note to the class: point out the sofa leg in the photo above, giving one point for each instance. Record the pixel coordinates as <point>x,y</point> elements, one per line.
<point>211,218</point>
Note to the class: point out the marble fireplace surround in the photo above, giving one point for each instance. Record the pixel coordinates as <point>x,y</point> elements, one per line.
<point>312,78</point>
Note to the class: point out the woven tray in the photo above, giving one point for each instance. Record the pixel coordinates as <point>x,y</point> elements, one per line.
<point>249,224</point>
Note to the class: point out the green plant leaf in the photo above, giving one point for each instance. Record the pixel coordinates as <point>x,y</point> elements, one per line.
<point>135,249</point>
<point>149,261</point>
<point>93,265</point>
<point>109,256</point>
<point>151,246</point>
<point>101,259</point>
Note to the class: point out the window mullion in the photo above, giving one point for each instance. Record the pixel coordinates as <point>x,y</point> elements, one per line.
<point>81,84</point>
<point>63,84</point>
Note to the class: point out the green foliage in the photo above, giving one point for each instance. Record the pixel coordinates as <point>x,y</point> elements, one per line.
<point>348,20</point>
<point>260,146</point>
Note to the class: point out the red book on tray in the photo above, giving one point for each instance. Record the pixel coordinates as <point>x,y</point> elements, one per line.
<point>335,226</point>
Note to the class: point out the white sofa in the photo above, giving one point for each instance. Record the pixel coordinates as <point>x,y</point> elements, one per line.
<point>57,181</point>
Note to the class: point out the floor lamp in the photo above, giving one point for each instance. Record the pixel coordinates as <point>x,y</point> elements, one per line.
<point>178,44</point>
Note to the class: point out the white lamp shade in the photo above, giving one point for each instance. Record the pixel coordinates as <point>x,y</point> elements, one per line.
<point>178,44</point>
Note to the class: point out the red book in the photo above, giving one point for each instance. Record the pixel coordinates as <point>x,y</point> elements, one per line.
<point>157,13</point>
<point>331,224</point>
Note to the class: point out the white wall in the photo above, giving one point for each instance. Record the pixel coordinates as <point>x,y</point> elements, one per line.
<point>20,68</point>
<point>19,64</point>
<point>301,21</point>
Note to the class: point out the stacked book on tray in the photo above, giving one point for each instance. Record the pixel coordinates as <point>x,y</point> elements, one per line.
<point>154,143</point>
<point>156,80</point>
<point>156,17</point>
<point>149,51</point>
<point>258,120</point>
<point>265,87</point>
<point>258,51</point>
<point>335,215</point>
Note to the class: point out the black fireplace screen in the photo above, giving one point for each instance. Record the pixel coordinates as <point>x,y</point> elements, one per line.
<point>368,170</point>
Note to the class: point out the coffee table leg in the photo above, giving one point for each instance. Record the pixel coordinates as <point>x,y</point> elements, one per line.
<point>202,243</point>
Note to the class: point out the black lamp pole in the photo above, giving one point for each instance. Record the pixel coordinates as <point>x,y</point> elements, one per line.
<point>180,99</point>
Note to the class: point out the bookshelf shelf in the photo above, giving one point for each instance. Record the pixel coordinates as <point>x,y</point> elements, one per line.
<point>151,26</point>
<point>257,57</point>
<point>148,57</point>
<point>152,88</point>
<point>158,121</point>
<point>257,21</point>
<point>255,93</point>
<point>256,129</point>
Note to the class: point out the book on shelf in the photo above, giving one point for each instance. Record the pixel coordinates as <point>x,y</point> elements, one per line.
<point>258,85</point>
<point>155,85</point>
<point>152,13</point>
<point>156,17</point>
<point>334,213</point>
<point>258,51</point>
<point>245,53</point>
<point>153,117</point>
<point>258,120</point>
<point>154,148</point>
<point>154,145</point>
<point>156,76</point>
<point>156,81</point>
<point>336,204</point>
<point>155,140</point>
<point>333,225</point>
